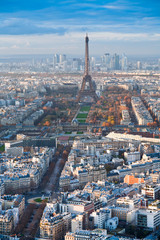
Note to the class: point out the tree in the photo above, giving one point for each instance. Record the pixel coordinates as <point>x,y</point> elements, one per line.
<point>112,122</point>
<point>65,155</point>
<point>47,123</point>
<point>104,124</point>
<point>99,130</point>
<point>95,130</point>
<point>24,219</point>
<point>154,124</point>
<point>98,102</point>
<point>57,153</point>
<point>108,167</point>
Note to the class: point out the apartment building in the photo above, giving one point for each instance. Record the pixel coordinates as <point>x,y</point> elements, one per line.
<point>6,222</point>
<point>151,191</point>
<point>54,226</point>
<point>148,219</point>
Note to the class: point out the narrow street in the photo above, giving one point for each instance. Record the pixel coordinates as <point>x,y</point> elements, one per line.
<point>52,185</point>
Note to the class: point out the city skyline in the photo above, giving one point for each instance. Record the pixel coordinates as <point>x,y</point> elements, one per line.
<point>79,136</point>
<point>50,27</point>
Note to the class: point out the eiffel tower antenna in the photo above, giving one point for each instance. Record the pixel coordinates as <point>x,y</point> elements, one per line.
<point>86,55</point>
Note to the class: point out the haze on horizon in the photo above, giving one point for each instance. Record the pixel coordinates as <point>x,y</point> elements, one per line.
<point>46,27</point>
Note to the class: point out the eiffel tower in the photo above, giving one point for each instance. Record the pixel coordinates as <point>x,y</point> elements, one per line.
<point>87,88</point>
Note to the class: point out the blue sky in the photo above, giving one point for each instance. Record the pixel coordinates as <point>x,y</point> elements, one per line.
<point>36,26</point>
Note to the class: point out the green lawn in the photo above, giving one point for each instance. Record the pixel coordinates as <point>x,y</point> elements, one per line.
<point>79,132</point>
<point>81,121</point>
<point>2,148</point>
<point>82,115</point>
<point>85,109</point>
<point>39,200</point>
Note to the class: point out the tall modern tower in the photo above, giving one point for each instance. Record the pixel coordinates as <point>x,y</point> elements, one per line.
<point>87,88</point>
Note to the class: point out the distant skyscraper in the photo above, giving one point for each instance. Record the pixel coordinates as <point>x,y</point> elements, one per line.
<point>55,59</point>
<point>124,62</point>
<point>139,65</point>
<point>106,60</point>
<point>75,64</point>
<point>62,58</point>
<point>92,63</point>
<point>114,64</point>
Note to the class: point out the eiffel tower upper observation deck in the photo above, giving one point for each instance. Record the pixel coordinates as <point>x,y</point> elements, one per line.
<point>87,89</point>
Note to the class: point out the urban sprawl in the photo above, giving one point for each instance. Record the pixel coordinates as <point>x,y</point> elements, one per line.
<point>80,169</point>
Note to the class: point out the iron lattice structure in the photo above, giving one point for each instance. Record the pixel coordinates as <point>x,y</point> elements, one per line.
<point>87,88</point>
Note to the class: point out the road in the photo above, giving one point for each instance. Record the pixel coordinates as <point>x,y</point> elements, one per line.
<point>52,185</point>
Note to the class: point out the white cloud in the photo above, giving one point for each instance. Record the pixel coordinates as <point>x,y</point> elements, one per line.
<point>114,7</point>
<point>73,43</point>
<point>14,47</point>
